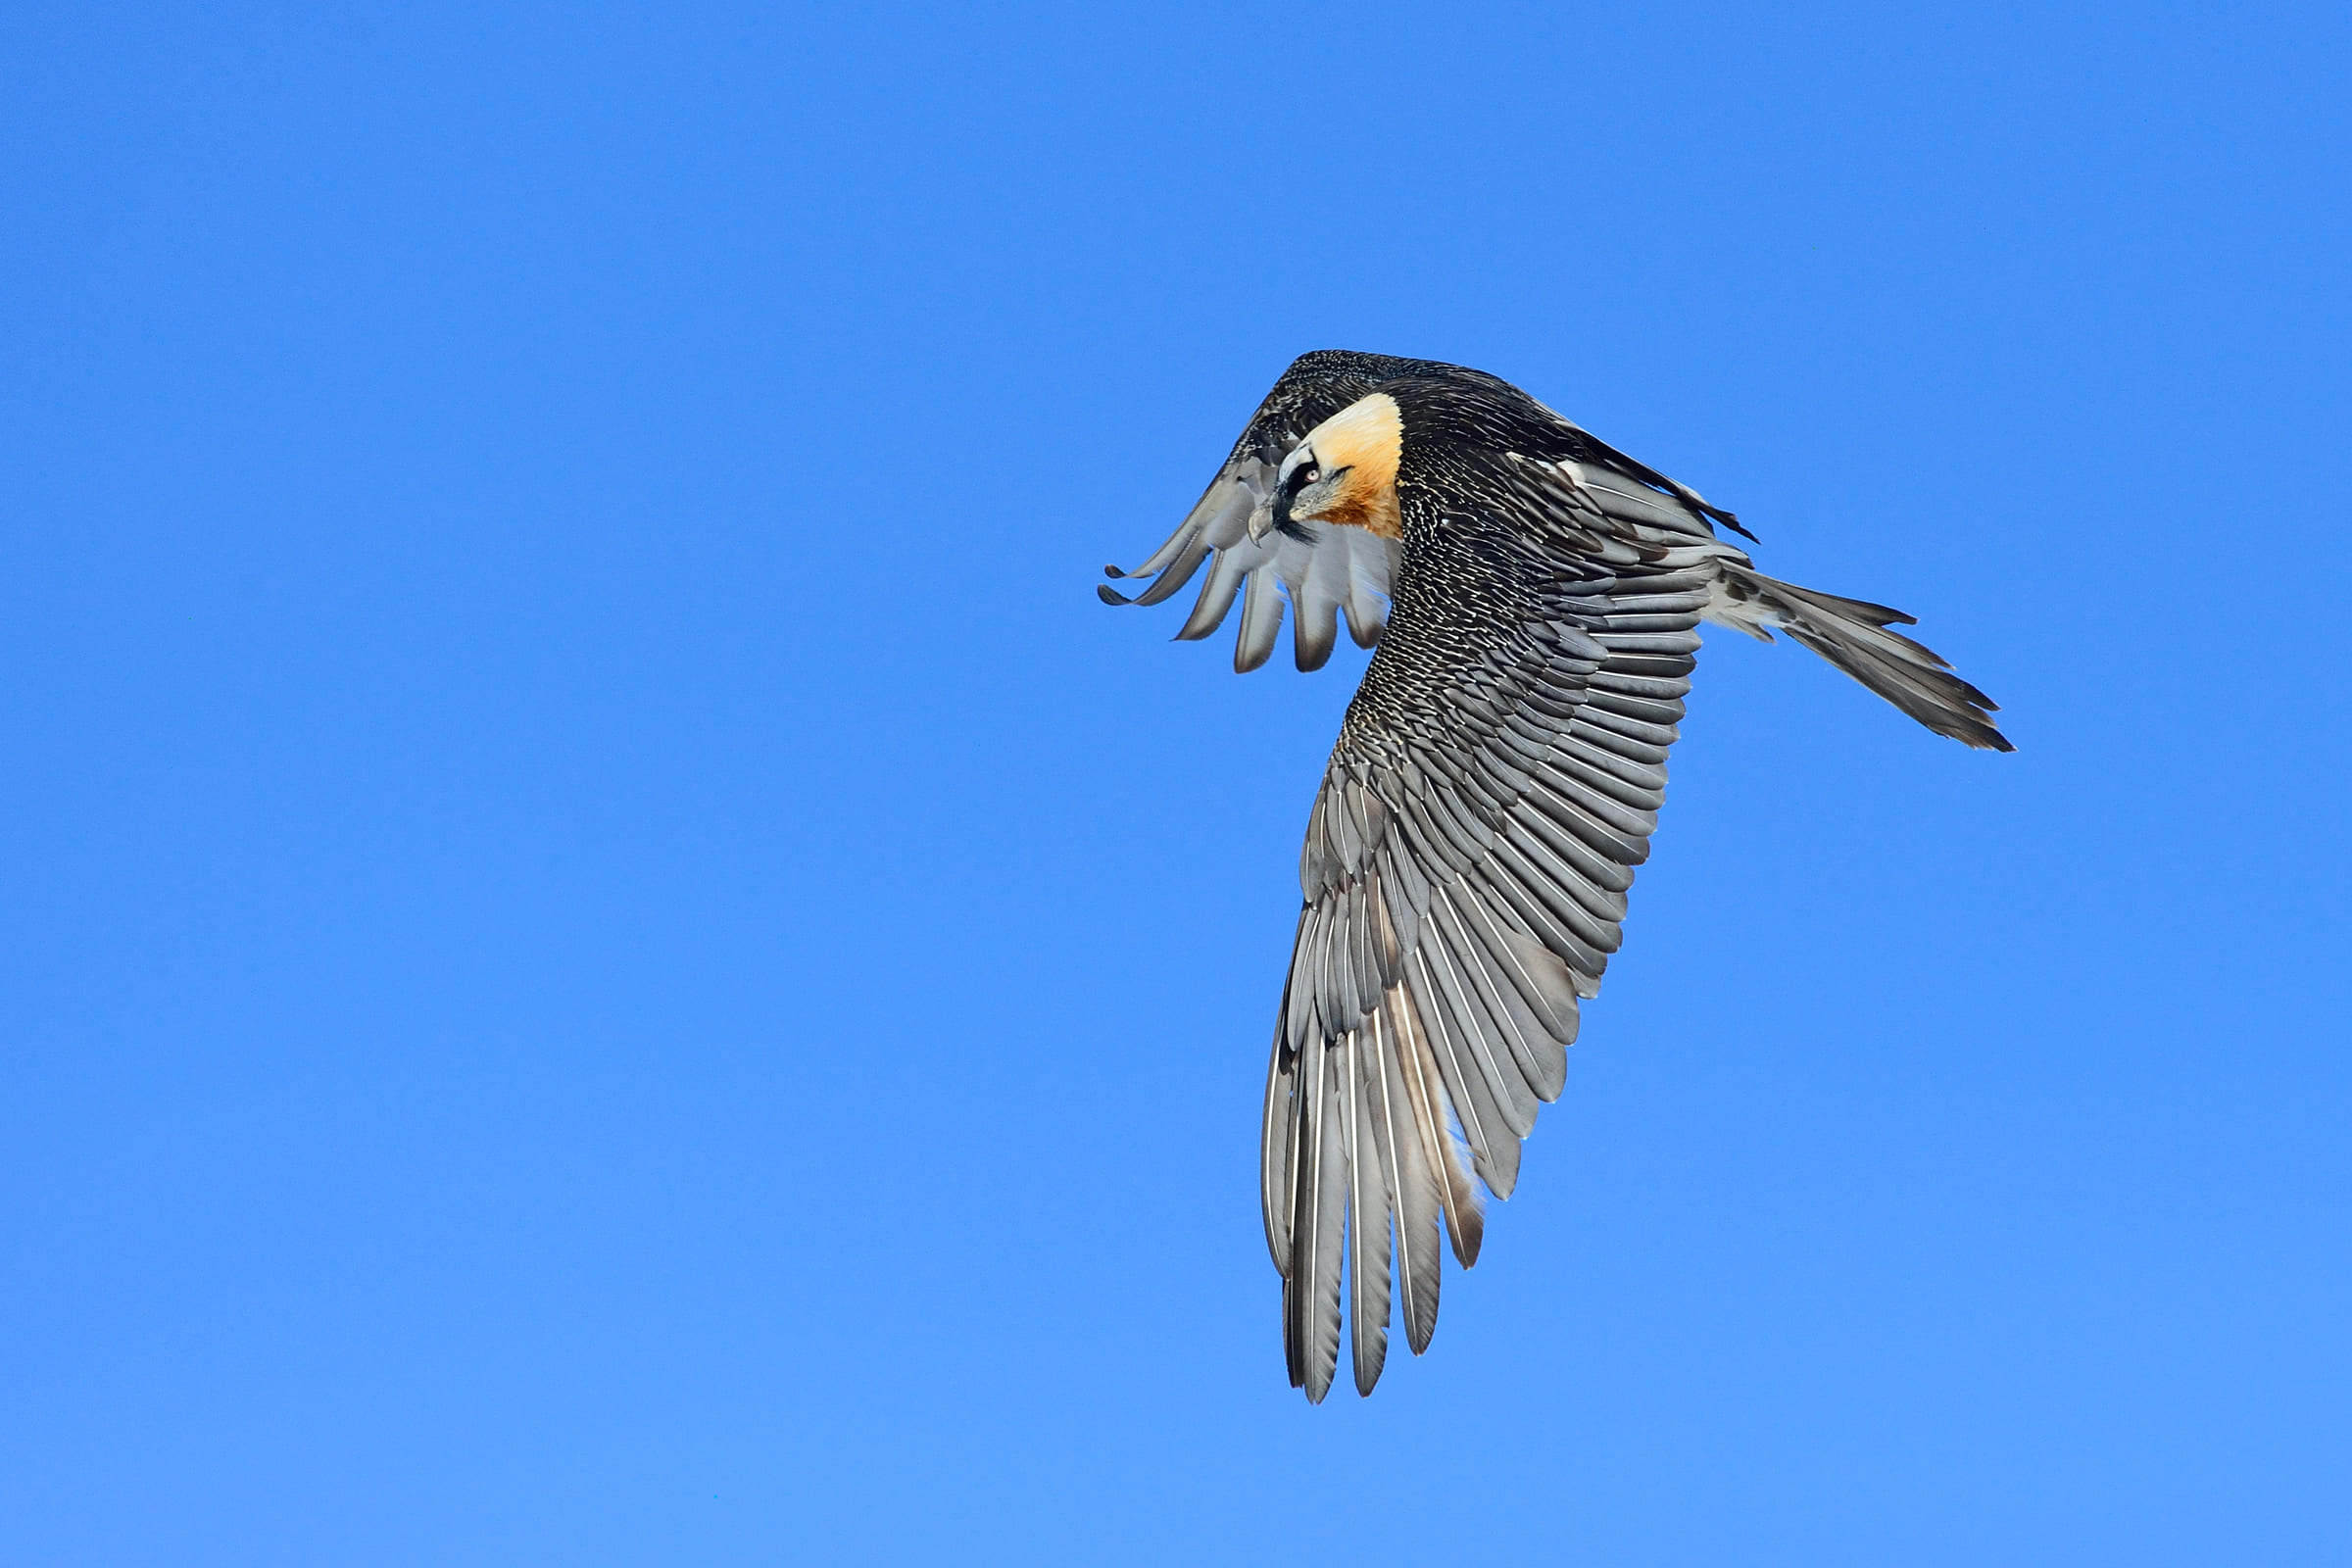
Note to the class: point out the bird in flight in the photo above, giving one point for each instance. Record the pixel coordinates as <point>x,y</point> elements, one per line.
<point>1535,596</point>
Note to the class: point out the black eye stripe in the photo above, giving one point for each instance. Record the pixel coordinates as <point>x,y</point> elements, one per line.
<point>1310,473</point>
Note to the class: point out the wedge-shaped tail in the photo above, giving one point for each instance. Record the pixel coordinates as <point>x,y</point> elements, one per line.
<point>1853,634</point>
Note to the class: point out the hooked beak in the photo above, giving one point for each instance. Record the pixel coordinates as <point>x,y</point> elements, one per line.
<point>1269,514</point>
<point>1273,515</point>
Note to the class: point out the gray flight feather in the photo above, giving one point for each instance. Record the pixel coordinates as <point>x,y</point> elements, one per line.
<point>1368,1204</point>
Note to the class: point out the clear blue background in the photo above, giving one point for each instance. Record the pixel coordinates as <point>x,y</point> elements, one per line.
<point>608,960</point>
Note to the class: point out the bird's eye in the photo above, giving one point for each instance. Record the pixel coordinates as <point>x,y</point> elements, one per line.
<point>1309,475</point>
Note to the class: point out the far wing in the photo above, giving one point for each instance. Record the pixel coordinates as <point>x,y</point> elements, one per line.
<point>1328,573</point>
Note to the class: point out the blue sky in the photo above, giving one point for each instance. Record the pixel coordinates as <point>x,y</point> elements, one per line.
<point>610,960</point>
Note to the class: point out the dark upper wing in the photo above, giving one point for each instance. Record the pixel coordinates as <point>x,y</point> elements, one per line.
<point>1465,871</point>
<point>1324,571</point>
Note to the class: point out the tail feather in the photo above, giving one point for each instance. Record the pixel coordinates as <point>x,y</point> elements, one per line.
<point>1853,634</point>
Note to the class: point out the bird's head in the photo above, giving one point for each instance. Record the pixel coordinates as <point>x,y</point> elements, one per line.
<point>1344,472</point>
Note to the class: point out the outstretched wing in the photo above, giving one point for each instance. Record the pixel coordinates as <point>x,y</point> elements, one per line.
<point>1324,572</point>
<point>1465,873</point>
